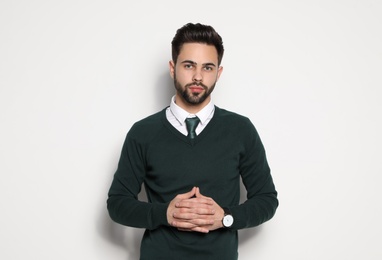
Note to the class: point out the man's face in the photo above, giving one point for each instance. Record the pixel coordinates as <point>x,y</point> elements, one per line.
<point>195,74</point>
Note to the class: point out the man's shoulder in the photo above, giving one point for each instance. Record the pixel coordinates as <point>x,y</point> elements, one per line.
<point>238,124</point>
<point>235,122</point>
<point>149,124</point>
<point>228,115</point>
<point>152,119</point>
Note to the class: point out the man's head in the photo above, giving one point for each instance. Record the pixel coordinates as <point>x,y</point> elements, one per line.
<point>197,33</point>
<point>197,51</point>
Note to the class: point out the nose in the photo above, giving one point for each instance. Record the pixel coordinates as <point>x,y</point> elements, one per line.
<point>198,77</point>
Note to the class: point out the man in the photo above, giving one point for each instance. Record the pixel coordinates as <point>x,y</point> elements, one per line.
<point>192,176</point>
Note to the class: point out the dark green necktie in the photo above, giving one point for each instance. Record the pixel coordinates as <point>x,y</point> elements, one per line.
<point>191,124</point>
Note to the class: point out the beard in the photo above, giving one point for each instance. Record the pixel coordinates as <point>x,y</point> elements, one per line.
<point>193,98</point>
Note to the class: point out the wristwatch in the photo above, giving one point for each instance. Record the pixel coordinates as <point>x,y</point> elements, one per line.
<point>227,219</point>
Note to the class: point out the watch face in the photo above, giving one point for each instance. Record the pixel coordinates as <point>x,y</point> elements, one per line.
<point>227,220</point>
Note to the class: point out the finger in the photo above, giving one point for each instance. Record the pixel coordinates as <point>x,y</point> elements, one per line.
<point>202,223</point>
<point>201,217</point>
<point>183,225</point>
<point>187,195</point>
<point>195,202</point>
<point>195,229</point>
<point>197,192</point>
<point>201,209</point>
<point>200,229</point>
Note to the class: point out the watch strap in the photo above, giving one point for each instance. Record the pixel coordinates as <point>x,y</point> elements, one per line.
<point>226,211</point>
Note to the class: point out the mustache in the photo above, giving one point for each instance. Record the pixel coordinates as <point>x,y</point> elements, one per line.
<point>196,84</point>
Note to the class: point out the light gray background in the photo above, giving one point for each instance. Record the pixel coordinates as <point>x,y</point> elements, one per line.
<point>75,75</point>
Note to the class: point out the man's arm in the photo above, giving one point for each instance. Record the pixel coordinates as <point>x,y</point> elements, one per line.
<point>123,204</point>
<point>262,202</point>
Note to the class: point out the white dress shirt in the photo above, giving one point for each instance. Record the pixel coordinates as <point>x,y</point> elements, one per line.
<point>177,116</point>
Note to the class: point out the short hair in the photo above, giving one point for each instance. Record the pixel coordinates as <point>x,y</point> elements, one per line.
<point>197,33</point>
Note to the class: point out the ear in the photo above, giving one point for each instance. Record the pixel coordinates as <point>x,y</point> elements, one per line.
<point>220,70</point>
<point>172,68</point>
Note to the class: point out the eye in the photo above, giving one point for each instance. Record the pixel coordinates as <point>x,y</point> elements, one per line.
<point>208,68</point>
<point>188,66</point>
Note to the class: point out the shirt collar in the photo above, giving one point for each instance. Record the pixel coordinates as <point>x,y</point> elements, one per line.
<point>181,114</point>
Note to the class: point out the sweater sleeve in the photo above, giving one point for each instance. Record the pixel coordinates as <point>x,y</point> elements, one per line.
<point>262,202</point>
<point>123,204</point>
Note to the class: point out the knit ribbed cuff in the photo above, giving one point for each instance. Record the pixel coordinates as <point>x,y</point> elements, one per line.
<point>159,215</point>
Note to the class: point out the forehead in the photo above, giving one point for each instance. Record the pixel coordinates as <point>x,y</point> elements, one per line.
<point>198,52</point>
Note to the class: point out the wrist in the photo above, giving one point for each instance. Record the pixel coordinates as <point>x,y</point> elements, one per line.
<point>227,220</point>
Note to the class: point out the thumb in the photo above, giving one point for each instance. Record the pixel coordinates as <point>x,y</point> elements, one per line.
<point>197,193</point>
<point>188,195</point>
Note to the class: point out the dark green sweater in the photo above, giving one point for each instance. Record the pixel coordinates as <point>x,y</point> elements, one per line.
<point>168,163</point>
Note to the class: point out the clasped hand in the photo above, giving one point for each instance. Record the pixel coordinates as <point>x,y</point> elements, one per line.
<point>192,211</point>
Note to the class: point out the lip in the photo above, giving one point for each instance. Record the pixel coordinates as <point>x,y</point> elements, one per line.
<point>196,88</point>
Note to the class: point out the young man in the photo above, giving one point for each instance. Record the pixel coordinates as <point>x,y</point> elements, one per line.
<point>192,175</point>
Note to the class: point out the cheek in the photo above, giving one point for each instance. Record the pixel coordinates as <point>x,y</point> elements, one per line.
<point>211,79</point>
<point>183,77</point>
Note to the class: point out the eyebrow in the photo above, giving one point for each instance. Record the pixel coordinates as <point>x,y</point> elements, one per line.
<point>194,63</point>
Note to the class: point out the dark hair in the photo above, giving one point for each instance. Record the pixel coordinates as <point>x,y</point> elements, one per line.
<point>197,33</point>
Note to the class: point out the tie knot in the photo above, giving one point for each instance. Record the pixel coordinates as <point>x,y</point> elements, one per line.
<point>191,124</point>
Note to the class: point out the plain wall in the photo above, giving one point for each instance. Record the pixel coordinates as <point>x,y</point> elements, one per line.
<point>75,76</point>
